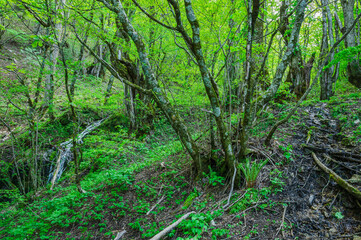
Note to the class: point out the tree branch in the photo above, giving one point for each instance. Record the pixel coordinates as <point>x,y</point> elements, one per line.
<point>153,18</point>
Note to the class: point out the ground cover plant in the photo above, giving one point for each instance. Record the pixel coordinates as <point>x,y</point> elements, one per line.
<point>180,119</point>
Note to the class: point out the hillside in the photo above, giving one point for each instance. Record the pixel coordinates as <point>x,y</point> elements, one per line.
<point>180,120</point>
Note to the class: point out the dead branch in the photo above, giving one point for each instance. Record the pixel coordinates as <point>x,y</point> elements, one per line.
<point>344,158</point>
<point>232,186</point>
<point>155,205</point>
<point>120,235</point>
<point>283,220</point>
<point>340,181</point>
<point>170,227</point>
<point>240,198</point>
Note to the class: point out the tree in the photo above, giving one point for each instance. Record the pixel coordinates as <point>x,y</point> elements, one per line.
<point>354,67</point>
<point>329,75</point>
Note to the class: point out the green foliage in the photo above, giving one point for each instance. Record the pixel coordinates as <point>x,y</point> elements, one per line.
<point>213,178</point>
<point>284,93</point>
<point>19,36</point>
<point>287,152</point>
<point>251,197</point>
<point>339,215</point>
<point>86,211</point>
<point>345,56</point>
<point>251,171</point>
<point>276,178</point>
<point>200,223</point>
<point>189,201</point>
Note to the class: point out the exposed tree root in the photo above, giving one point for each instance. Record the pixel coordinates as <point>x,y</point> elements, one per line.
<point>345,185</point>
<point>338,154</point>
<point>337,162</point>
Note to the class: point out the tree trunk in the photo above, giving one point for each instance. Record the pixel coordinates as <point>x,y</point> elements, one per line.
<point>109,89</point>
<point>79,72</point>
<point>287,56</point>
<point>244,125</point>
<point>59,32</point>
<point>329,75</point>
<point>157,93</point>
<point>232,72</point>
<point>209,84</point>
<point>297,74</point>
<point>354,67</point>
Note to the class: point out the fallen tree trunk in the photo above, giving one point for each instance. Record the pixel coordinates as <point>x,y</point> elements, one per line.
<point>66,153</point>
<point>340,181</point>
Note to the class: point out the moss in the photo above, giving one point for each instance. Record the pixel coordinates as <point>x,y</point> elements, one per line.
<point>190,199</point>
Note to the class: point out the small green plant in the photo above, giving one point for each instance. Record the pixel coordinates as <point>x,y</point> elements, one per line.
<point>251,171</point>
<point>276,178</point>
<point>287,152</point>
<point>213,178</point>
<point>339,215</point>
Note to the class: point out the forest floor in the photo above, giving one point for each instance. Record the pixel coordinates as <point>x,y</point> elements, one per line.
<point>137,186</point>
<point>294,199</point>
<point>139,197</point>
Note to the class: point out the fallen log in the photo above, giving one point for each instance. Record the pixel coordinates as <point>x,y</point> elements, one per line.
<point>340,181</point>
<point>170,227</point>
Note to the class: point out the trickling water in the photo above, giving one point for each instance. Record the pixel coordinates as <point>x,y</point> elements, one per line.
<point>65,154</point>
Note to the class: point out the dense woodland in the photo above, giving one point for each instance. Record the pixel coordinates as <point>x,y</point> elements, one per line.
<point>180,119</point>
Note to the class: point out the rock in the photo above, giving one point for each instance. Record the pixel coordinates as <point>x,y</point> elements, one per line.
<point>310,199</point>
<point>355,179</point>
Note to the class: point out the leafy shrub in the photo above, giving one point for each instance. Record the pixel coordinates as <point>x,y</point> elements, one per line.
<point>251,171</point>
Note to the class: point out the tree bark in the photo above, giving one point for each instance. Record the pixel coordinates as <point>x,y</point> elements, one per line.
<point>157,94</point>
<point>291,46</point>
<point>59,32</point>
<point>232,72</point>
<point>244,125</point>
<point>329,75</point>
<point>209,84</point>
<point>298,74</point>
<point>354,67</point>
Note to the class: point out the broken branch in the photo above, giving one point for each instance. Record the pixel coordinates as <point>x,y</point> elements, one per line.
<point>170,227</point>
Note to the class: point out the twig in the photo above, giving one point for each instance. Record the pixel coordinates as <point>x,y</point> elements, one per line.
<point>232,186</point>
<point>170,227</point>
<point>155,205</point>
<point>236,201</point>
<point>244,211</point>
<point>283,220</point>
<point>265,154</point>
<point>207,111</point>
<point>120,235</point>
